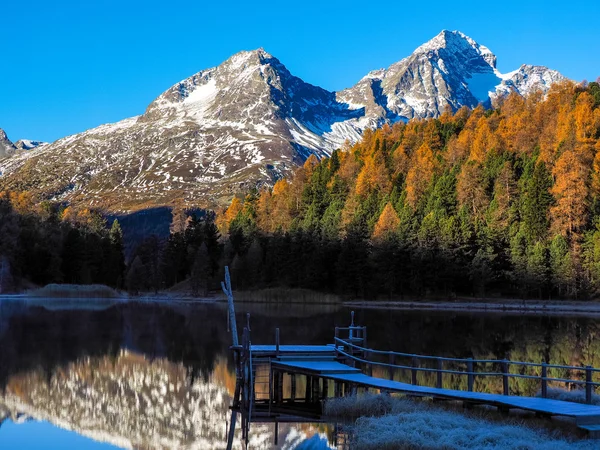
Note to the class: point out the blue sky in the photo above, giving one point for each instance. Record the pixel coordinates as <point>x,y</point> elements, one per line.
<point>44,436</point>
<point>73,65</point>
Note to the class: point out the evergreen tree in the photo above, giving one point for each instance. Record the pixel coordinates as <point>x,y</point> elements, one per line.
<point>201,271</point>
<point>136,277</point>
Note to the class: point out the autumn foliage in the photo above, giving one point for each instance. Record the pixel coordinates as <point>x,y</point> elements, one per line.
<point>505,200</point>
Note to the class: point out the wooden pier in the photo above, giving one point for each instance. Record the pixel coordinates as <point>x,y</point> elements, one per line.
<point>346,365</point>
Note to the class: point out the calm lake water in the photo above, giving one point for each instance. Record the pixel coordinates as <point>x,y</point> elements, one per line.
<point>148,375</point>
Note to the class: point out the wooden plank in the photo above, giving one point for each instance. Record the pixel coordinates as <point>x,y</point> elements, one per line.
<point>585,413</point>
<point>318,367</point>
<point>287,349</point>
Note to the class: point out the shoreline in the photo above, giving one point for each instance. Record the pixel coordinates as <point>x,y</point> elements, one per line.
<point>529,307</point>
<point>461,305</point>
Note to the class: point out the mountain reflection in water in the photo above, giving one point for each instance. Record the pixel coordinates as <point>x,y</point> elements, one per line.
<point>147,375</point>
<point>132,375</point>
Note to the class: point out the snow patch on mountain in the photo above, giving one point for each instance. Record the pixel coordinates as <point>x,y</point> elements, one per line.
<point>250,121</point>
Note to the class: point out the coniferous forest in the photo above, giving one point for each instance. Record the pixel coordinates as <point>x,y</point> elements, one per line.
<point>504,201</point>
<point>484,202</point>
<point>44,243</point>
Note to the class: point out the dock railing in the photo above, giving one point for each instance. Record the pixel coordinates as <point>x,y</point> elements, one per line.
<point>355,349</point>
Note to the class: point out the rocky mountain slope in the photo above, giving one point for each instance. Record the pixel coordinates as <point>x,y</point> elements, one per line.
<point>249,121</point>
<point>7,148</point>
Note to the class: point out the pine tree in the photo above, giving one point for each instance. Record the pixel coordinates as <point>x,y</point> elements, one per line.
<point>116,263</point>
<point>136,277</point>
<point>200,273</point>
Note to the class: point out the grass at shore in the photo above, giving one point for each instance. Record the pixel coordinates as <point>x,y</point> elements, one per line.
<point>74,291</point>
<point>575,395</point>
<point>384,422</point>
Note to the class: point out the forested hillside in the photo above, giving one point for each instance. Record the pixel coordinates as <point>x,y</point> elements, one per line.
<point>45,243</point>
<point>480,202</point>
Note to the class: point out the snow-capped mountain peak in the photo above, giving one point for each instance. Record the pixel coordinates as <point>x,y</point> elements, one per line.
<point>459,44</point>
<point>249,121</point>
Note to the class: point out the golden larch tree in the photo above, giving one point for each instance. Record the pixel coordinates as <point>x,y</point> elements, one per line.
<point>373,175</point>
<point>470,188</point>
<point>419,175</point>
<point>387,225</point>
<point>570,192</point>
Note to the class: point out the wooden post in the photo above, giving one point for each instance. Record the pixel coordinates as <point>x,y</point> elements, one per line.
<point>415,365</point>
<point>308,389</point>
<point>391,369</point>
<point>277,342</point>
<point>280,388</point>
<point>505,386</point>
<point>276,387</point>
<point>231,433</point>
<point>440,367</point>
<point>271,393</point>
<point>315,390</point>
<point>369,367</point>
<point>364,336</point>
<point>544,380</point>
<point>588,385</point>
<point>337,388</point>
<point>248,321</point>
<point>293,386</point>
<point>276,437</point>
<point>226,286</point>
<point>325,391</point>
<point>470,375</point>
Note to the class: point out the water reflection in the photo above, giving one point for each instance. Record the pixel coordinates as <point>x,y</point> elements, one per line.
<point>160,376</point>
<point>134,376</point>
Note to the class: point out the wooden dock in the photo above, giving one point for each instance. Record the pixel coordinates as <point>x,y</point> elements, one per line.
<point>347,364</point>
<point>337,363</point>
<point>586,416</point>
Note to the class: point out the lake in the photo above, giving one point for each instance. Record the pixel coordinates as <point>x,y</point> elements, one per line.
<point>156,375</point>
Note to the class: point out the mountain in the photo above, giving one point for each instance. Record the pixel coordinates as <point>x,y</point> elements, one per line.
<point>27,144</point>
<point>250,121</point>
<point>451,70</point>
<point>7,148</point>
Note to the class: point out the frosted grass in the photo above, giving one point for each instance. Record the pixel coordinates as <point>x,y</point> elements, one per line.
<point>397,423</point>
<point>575,395</point>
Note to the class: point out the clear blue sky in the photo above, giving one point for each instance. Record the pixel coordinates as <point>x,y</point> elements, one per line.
<point>44,436</point>
<point>72,65</point>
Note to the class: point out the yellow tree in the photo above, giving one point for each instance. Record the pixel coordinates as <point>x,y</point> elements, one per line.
<point>584,117</point>
<point>264,211</point>
<point>482,141</point>
<point>470,188</point>
<point>309,165</point>
<point>223,222</point>
<point>373,175</point>
<point>570,191</point>
<point>280,208</point>
<point>400,160</point>
<point>419,175</point>
<point>387,224</point>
